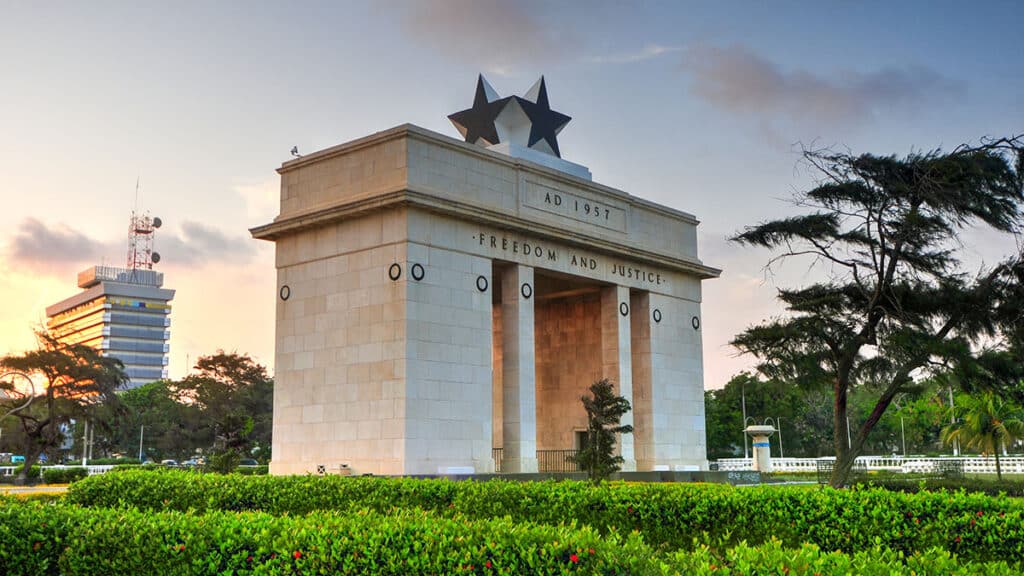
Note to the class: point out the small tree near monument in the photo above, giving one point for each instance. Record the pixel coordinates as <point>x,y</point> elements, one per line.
<point>604,413</point>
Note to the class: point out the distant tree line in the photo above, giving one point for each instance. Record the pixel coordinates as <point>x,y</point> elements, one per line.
<point>805,416</point>
<point>222,410</point>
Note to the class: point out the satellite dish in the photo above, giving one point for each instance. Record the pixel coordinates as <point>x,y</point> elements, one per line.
<point>155,257</point>
<point>157,222</point>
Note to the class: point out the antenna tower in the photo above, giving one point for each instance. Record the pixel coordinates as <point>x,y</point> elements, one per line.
<point>140,238</point>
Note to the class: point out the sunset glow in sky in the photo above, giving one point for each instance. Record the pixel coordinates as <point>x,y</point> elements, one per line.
<point>701,107</point>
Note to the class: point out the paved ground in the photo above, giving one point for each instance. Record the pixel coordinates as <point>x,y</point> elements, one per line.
<point>25,490</point>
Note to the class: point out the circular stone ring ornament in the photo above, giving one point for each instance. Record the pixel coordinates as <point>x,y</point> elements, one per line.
<point>657,315</point>
<point>695,322</point>
<point>624,309</point>
<point>395,271</point>
<point>417,272</point>
<point>526,290</point>
<point>285,292</point>
<point>481,283</point>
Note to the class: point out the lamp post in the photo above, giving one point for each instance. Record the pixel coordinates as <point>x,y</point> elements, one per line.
<point>778,420</point>
<point>30,396</point>
<point>903,435</point>
<point>743,402</point>
<point>952,420</point>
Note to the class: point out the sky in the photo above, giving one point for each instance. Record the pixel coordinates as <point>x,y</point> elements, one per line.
<point>700,106</point>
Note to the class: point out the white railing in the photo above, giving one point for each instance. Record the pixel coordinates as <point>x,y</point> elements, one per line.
<point>972,464</point>
<point>92,470</point>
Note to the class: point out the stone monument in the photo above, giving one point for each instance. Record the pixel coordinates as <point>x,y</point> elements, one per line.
<point>442,304</point>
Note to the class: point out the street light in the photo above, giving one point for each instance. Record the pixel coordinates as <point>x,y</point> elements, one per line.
<point>31,396</point>
<point>952,421</point>
<point>743,401</point>
<point>778,420</point>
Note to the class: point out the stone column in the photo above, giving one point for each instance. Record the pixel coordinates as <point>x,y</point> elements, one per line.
<point>616,358</point>
<point>518,371</point>
<point>640,344</point>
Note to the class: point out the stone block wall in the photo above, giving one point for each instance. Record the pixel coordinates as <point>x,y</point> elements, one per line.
<point>340,360</point>
<point>448,367</point>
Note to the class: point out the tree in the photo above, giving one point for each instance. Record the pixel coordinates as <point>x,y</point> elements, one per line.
<point>170,429</point>
<point>987,423</point>
<point>76,382</point>
<point>235,398</point>
<point>895,301</point>
<point>604,413</point>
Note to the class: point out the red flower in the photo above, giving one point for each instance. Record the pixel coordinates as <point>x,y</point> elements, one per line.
<point>957,539</point>
<point>591,551</point>
<point>181,548</point>
<point>487,564</point>
<point>249,559</point>
<point>972,522</point>
<point>980,513</point>
<point>574,558</point>
<point>630,509</point>
<point>297,555</point>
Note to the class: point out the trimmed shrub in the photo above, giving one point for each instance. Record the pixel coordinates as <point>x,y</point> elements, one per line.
<point>33,472</point>
<point>912,486</point>
<point>64,475</point>
<point>669,516</point>
<point>772,558</point>
<point>75,541</point>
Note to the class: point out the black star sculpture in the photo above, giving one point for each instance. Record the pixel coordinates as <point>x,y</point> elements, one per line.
<point>545,123</point>
<point>477,123</point>
<point>480,123</point>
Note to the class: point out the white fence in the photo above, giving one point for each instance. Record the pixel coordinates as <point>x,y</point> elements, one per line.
<point>972,465</point>
<point>92,470</point>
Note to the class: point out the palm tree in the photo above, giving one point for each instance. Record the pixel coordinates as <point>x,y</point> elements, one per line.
<point>988,424</point>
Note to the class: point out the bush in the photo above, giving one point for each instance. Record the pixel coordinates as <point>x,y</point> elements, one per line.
<point>669,516</point>
<point>773,558</point>
<point>60,539</point>
<point>64,475</point>
<point>912,485</point>
<point>33,472</point>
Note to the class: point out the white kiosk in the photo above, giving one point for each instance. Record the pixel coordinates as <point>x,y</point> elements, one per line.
<point>762,449</point>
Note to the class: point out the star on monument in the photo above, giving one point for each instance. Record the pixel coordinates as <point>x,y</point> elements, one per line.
<point>545,123</point>
<point>527,121</point>
<point>477,123</point>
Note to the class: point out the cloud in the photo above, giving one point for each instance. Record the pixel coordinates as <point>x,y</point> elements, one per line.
<point>60,249</point>
<point>648,52</point>
<point>498,36</point>
<point>44,248</point>
<point>737,80</point>
<point>200,243</point>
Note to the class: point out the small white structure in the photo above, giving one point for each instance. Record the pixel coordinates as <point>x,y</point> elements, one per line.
<point>762,449</point>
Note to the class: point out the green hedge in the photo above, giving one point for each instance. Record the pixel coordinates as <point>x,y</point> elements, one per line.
<point>71,541</point>
<point>773,558</point>
<point>33,472</point>
<point>670,516</point>
<point>52,539</point>
<point>64,475</point>
<point>912,486</point>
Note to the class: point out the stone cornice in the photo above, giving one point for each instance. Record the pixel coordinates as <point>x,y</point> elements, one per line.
<point>412,131</point>
<point>429,201</point>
